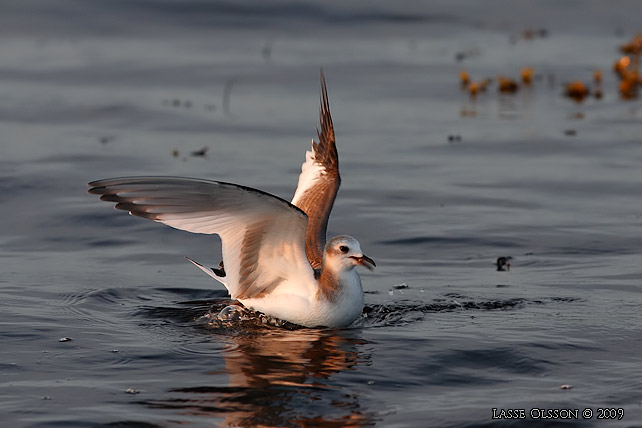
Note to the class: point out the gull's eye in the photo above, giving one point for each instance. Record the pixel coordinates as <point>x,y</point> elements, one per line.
<point>343,249</point>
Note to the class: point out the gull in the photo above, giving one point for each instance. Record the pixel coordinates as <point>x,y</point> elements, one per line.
<point>275,256</point>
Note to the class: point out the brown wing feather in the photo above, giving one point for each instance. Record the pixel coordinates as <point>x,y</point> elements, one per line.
<point>318,186</point>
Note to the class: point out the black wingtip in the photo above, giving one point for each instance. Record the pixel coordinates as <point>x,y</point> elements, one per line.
<point>326,149</point>
<point>325,118</point>
<point>325,105</point>
<point>96,190</point>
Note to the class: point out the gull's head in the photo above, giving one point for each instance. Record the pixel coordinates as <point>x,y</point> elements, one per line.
<point>344,253</point>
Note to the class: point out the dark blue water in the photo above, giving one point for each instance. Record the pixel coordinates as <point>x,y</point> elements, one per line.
<point>436,187</point>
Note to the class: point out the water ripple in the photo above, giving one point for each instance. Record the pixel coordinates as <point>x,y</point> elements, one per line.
<point>215,314</point>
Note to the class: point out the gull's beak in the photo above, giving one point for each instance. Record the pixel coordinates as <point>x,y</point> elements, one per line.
<point>365,261</point>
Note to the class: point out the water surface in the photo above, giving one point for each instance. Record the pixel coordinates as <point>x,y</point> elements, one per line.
<point>91,90</point>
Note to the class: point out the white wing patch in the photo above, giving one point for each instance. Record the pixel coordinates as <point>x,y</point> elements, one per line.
<point>311,171</point>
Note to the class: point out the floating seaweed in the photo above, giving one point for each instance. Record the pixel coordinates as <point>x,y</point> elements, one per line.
<point>507,85</point>
<point>576,90</point>
<point>464,78</point>
<point>527,74</point>
<point>628,68</point>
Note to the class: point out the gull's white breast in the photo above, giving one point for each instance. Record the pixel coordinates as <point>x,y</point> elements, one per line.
<point>313,309</point>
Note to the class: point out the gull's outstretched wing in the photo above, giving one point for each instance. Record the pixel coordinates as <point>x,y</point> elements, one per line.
<point>319,183</point>
<point>263,236</point>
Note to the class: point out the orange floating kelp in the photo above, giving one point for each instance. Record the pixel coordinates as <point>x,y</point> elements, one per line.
<point>628,68</point>
<point>464,78</point>
<point>507,85</point>
<point>527,74</point>
<point>576,90</point>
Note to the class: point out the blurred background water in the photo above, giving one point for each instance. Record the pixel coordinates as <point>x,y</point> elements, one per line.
<point>436,186</point>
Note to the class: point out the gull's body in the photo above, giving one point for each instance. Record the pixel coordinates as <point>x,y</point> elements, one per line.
<point>274,252</point>
<point>302,301</point>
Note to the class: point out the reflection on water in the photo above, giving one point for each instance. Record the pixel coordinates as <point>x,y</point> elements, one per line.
<point>284,375</point>
<point>280,378</point>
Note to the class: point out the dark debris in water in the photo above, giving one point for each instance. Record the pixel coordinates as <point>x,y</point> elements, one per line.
<point>106,139</point>
<point>465,54</point>
<point>200,152</point>
<point>503,263</point>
